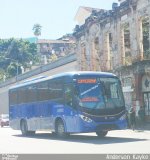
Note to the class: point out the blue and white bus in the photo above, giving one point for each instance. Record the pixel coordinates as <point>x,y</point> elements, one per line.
<point>73,102</point>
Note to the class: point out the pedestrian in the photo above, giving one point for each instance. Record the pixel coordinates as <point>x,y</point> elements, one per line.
<point>127,118</point>
<point>132,118</point>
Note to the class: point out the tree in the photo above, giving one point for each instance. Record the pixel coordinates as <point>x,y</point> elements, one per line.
<point>37,29</point>
<point>2,75</point>
<point>14,69</point>
<point>53,57</point>
<point>15,54</point>
<point>21,51</point>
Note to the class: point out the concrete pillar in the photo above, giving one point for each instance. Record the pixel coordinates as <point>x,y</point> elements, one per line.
<point>122,46</point>
<point>149,29</point>
<point>79,53</point>
<point>83,58</point>
<point>87,56</point>
<point>140,38</point>
<point>120,42</point>
<point>96,53</point>
<point>115,45</point>
<point>107,50</point>
<point>93,66</point>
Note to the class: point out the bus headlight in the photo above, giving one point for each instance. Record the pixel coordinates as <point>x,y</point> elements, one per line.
<point>122,117</point>
<point>86,119</point>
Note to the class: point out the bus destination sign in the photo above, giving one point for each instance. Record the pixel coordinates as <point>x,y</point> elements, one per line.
<point>86,80</point>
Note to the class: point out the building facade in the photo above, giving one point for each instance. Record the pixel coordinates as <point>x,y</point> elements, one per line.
<point>118,41</point>
<point>51,50</point>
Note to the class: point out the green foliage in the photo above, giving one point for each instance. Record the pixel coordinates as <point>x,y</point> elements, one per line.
<point>53,57</point>
<point>37,29</point>
<point>15,53</point>
<point>13,69</point>
<point>2,75</point>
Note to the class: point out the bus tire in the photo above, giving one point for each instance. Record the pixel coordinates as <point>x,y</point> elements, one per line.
<point>60,129</point>
<point>53,133</point>
<point>31,132</point>
<point>24,128</point>
<point>101,134</point>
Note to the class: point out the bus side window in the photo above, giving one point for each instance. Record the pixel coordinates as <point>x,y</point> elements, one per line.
<point>13,97</point>
<point>55,91</point>
<point>68,94</point>
<point>22,96</point>
<point>42,89</point>
<point>31,95</point>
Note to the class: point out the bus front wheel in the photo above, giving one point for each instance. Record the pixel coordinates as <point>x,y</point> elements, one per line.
<point>60,129</point>
<point>101,134</point>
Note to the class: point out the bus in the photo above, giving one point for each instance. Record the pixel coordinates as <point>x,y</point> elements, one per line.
<point>67,103</point>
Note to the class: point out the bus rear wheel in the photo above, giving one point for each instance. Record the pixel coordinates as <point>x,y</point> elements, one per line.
<point>60,129</point>
<point>101,134</point>
<point>24,129</point>
<point>31,132</point>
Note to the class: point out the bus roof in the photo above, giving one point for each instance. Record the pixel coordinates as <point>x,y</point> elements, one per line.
<point>65,74</point>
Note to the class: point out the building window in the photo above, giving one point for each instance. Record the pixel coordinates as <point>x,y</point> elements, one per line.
<point>13,97</point>
<point>31,93</point>
<point>146,42</point>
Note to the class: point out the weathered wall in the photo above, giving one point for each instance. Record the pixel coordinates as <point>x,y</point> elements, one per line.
<point>4,102</point>
<point>94,37</point>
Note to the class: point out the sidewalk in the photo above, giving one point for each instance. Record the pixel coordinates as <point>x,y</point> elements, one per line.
<point>144,127</point>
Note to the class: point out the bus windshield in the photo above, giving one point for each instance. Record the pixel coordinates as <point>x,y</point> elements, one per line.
<point>104,93</point>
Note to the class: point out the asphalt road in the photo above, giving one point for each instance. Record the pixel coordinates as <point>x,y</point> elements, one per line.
<point>125,141</point>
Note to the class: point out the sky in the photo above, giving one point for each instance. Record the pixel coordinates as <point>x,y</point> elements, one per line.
<point>56,17</point>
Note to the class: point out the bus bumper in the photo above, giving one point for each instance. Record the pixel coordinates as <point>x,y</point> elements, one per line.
<point>105,126</point>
